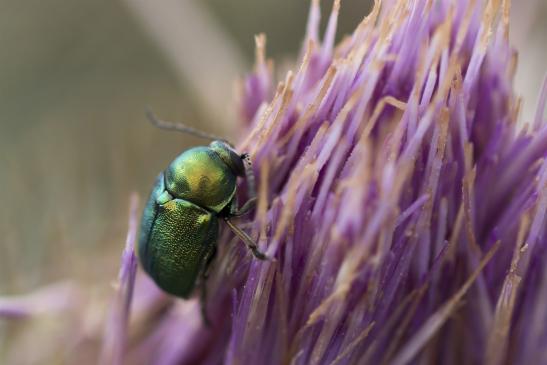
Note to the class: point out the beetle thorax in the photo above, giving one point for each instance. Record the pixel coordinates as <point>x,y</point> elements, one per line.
<point>201,176</point>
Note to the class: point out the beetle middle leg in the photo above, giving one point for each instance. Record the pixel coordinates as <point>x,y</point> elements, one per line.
<point>235,211</point>
<point>203,293</point>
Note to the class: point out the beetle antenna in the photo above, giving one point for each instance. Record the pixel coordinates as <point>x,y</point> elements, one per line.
<point>179,127</point>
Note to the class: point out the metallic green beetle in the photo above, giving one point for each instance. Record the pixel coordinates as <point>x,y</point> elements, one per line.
<point>180,222</point>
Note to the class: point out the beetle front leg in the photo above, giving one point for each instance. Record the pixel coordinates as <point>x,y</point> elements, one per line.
<point>235,211</point>
<point>249,176</point>
<point>246,208</point>
<point>249,242</point>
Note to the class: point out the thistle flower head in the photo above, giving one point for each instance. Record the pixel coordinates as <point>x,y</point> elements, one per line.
<point>404,207</point>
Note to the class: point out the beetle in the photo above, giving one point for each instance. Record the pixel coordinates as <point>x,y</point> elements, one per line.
<point>180,222</point>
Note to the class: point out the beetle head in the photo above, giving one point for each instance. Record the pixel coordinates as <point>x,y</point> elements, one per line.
<point>230,157</point>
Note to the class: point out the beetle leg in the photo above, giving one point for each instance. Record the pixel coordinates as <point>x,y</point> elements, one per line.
<point>233,206</point>
<point>234,210</point>
<point>249,175</point>
<point>203,293</point>
<point>249,242</point>
<point>246,208</point>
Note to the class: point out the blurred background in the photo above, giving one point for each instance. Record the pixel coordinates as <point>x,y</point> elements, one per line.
<point>75,77</point>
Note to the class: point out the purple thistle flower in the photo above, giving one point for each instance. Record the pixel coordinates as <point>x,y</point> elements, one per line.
<point>404,207</point>
<point>53,298</point>
<point>115,337</point>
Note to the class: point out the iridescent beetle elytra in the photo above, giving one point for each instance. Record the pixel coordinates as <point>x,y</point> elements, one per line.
<point>180,222</point>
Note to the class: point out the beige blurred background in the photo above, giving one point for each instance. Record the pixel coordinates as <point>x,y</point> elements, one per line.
<point>75,77</point>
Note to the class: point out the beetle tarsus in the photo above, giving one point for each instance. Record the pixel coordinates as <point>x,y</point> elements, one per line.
<point>259,254</point>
